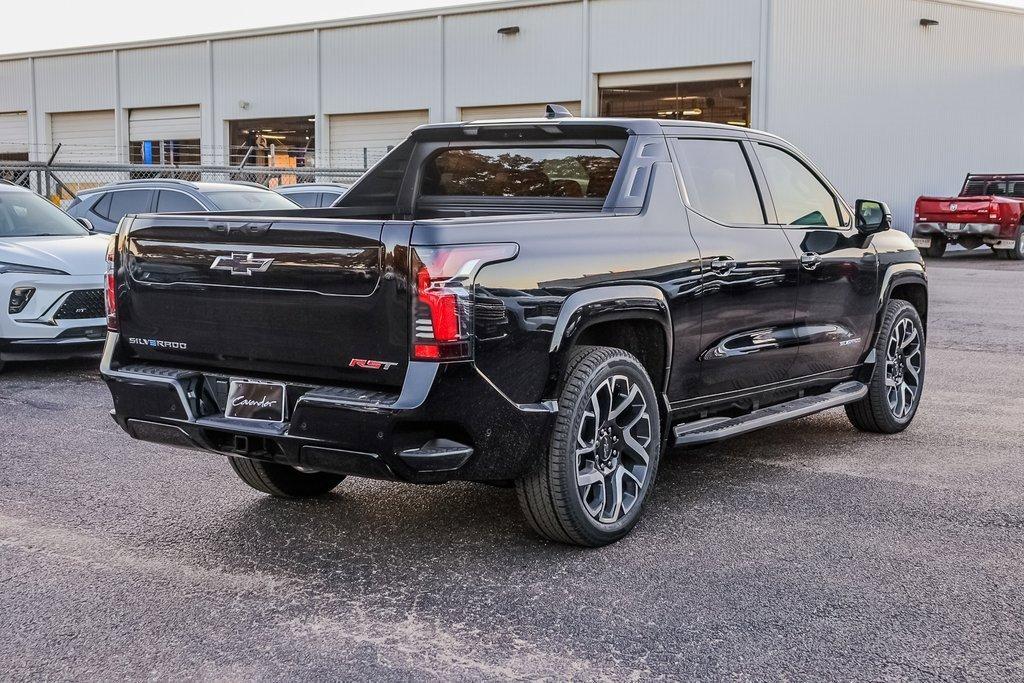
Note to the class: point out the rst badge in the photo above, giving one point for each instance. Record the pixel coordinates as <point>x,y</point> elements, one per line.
<point>242,264</point>
<point>370,364</point>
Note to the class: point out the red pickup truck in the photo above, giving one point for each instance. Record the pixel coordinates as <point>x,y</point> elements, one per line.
<point>989,210</point>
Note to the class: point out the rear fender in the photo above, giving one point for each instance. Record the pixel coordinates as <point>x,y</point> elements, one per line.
<point>587,308</point>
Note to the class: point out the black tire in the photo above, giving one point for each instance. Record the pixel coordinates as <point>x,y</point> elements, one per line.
<point>1017,253</point>
<point>551,497</point>
<point>937,248</point>
<point>283,481</point>
<point>874,413</point>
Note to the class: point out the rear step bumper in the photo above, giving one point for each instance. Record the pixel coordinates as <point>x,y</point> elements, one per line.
<point>719,428</point>
<point>437,428</point>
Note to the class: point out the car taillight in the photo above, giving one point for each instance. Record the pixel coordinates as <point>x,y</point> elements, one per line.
<point>110,287</point>
<point>993,212</point>
<point>443,299</point>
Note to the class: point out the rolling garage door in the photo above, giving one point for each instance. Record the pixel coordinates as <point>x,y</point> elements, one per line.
<point>87,137</point>
<point>164,123</point>
<point>514,111</point>
<point>356,138</point>
<point>13,135</point>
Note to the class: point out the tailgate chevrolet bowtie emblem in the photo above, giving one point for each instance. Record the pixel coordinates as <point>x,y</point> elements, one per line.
<point>241,264</point>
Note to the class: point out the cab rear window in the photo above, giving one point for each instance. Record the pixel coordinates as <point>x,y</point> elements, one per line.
<point>550,172</point>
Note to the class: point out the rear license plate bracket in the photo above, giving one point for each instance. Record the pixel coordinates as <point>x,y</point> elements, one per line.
<point>257,401</point>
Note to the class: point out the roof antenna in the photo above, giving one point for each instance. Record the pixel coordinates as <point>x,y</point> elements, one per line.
<point>557,111</point>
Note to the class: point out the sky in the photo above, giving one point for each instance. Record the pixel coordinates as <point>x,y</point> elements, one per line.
<point>32,26</point>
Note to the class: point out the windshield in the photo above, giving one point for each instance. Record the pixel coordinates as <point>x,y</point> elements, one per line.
<point>249,200</point>
<point>24,214</point>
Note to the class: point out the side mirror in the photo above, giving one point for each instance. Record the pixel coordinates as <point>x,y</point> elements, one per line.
<point>873,216</point>
<point>87,224</point>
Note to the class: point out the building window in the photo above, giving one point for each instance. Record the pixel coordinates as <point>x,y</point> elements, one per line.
<point>281,143</point>
<point>721,101</point>
<point>165,152</point>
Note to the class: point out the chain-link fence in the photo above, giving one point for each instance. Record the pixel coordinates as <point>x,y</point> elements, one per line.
<point>62,182</point>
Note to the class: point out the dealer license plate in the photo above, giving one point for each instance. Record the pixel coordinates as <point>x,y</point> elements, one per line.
<point>264,401</point>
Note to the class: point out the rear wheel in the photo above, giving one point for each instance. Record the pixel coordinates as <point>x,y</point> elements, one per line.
<point>591,485</point>
<point>1017,253</point>
<point>937,248</point>
<point>283,481</point>
<point>897,381</point>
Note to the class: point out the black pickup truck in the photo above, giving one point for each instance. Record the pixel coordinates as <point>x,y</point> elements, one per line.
<point>549,304</point>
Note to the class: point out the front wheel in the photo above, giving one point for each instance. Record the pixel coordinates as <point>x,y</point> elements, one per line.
<point>283,481</point>
<point>591,485</point>
<point>897,381</point>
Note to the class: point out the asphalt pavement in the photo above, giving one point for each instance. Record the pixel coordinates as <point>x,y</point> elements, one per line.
<point>805,552</point>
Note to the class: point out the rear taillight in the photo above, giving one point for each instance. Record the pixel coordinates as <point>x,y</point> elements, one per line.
<point>443,299</point>
<point>993,212</point>
<point>110,288</point>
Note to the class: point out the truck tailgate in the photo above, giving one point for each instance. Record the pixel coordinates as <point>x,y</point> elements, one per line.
<point>954,209</point>
<point>295,297</point>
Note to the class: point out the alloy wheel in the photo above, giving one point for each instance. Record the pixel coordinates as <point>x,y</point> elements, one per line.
<point>613,450</point>
<point>903,362</point>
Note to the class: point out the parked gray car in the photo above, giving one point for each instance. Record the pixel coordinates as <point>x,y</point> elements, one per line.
<point>105,206</point>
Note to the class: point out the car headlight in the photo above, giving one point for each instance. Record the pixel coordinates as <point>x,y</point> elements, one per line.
<point>18,268</point>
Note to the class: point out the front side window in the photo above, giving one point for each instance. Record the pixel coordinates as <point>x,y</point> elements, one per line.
<point>799,197</point>
<point>548,172</point>
<point>719,182</point>
<point>25,214</point>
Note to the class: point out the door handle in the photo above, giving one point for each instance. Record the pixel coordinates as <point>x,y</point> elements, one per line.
<point>810,260</point>
<point>723,265</point>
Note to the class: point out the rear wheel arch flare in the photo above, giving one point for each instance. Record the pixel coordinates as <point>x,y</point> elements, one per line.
<point>916,294</point>
<point>634,318</point>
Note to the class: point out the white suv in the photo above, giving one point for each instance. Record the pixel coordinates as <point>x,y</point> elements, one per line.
<point>51,280</point>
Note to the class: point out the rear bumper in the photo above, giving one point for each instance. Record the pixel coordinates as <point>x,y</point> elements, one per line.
<point>72,343</point>
<point>954,231</point>
<point>448,422</point>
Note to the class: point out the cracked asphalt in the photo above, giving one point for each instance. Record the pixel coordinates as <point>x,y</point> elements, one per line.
<point>805,552</point>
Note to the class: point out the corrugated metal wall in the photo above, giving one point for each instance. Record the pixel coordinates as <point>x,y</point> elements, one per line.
<point>382,67</point>
<point>543,63</point>
<point>628,35</point>
<point>15,88</point>
<point>164,76</point>
<point>889,109</point>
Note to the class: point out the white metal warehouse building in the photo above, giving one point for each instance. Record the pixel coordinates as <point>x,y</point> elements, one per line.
<point>893,98</point>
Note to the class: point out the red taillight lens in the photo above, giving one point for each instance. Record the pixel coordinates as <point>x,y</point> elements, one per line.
<point>110,287</point>
<point>443,302</point>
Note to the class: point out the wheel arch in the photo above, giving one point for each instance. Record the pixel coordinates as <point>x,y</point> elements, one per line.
<point>903,282</point>
<point>634,318</point>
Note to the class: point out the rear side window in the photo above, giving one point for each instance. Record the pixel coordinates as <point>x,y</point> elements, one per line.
<point>176,202</point>
<point>117,205</point>
<point>307,200</point>
<point>550,172</point>
<point>799,197</point>
<point>719,182</point>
